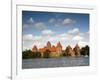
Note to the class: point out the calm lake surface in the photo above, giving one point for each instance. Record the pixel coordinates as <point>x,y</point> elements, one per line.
<point>55,62</point>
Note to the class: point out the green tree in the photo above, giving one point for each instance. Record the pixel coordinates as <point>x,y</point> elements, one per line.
<point>64,53</point>
<point>46,54</point>
<point>85,50</point>
<point>28,54</point>
<point>36,55</point>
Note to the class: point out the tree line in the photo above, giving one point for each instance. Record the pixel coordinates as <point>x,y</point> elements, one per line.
<point>28,54</point>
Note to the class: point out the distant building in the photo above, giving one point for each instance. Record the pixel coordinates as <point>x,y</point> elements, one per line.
<point>52,49</point>
<point>48,45</point>
<point>69,51</point>
<point>59,48</point>
<point>34,49</point>
<point>77,50</point>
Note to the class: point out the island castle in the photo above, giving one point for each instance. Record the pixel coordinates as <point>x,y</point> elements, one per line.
<point>57,50</point>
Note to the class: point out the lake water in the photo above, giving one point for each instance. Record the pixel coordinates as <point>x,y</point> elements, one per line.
<point>55,62</point>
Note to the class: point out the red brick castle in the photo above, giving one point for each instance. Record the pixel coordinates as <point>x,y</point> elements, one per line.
<point>57,50</point>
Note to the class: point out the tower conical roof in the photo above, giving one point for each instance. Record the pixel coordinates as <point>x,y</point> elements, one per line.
<point>34,48</point>
<point>48,44</point>
<point>59,44</point>
<point>77,46</point>
<point>69,47</point>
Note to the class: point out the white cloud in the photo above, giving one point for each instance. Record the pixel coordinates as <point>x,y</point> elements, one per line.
<point>53,39</point>
<point>68,21</point>
<point>36,25</point>
<point>74,31</point>
<point>28,37</point>
<point>60,22</point>
<point>30,21</point>
<point>47,32</point>
<point>81,34</point>
<point>52,20</point>
<point>77,38</point>
<point>63,35</point>
<point>37,37</point>
<point>83,43</point>
<point>64,38</point>
<point>66,35</point>
<point>27,41</point>
<point>40,25</point>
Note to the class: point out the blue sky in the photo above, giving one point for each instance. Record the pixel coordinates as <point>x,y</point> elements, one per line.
<point>69,27</point>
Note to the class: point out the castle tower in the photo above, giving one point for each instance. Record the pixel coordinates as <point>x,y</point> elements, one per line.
<point>48,45</point>
<point>53,49</point>
<point>34,49</point>
<point>59,48</point>
<point>69,51</point>
<point>77,50</point>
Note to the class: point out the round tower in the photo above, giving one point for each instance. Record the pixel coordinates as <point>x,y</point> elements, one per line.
<point>48,45</point>
<point>77,50</point>
<point>59,48</point>
<point>34,49</point>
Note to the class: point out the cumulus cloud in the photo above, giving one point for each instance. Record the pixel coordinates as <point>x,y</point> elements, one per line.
<point>28,37</point>
<point>61,22</point>
<point>57,38</point>
<point>30,21</point>
<point>47,32</point>
<point>27,41</point>
<point>68,21</point>
<point>39,25</point>
<point>52,21</point>
<point>37,38</point>
<point>77,38</point>
<point>74,31</point>
<point>81,34</point>
<point>83,43</point>
<point>66,35</point>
